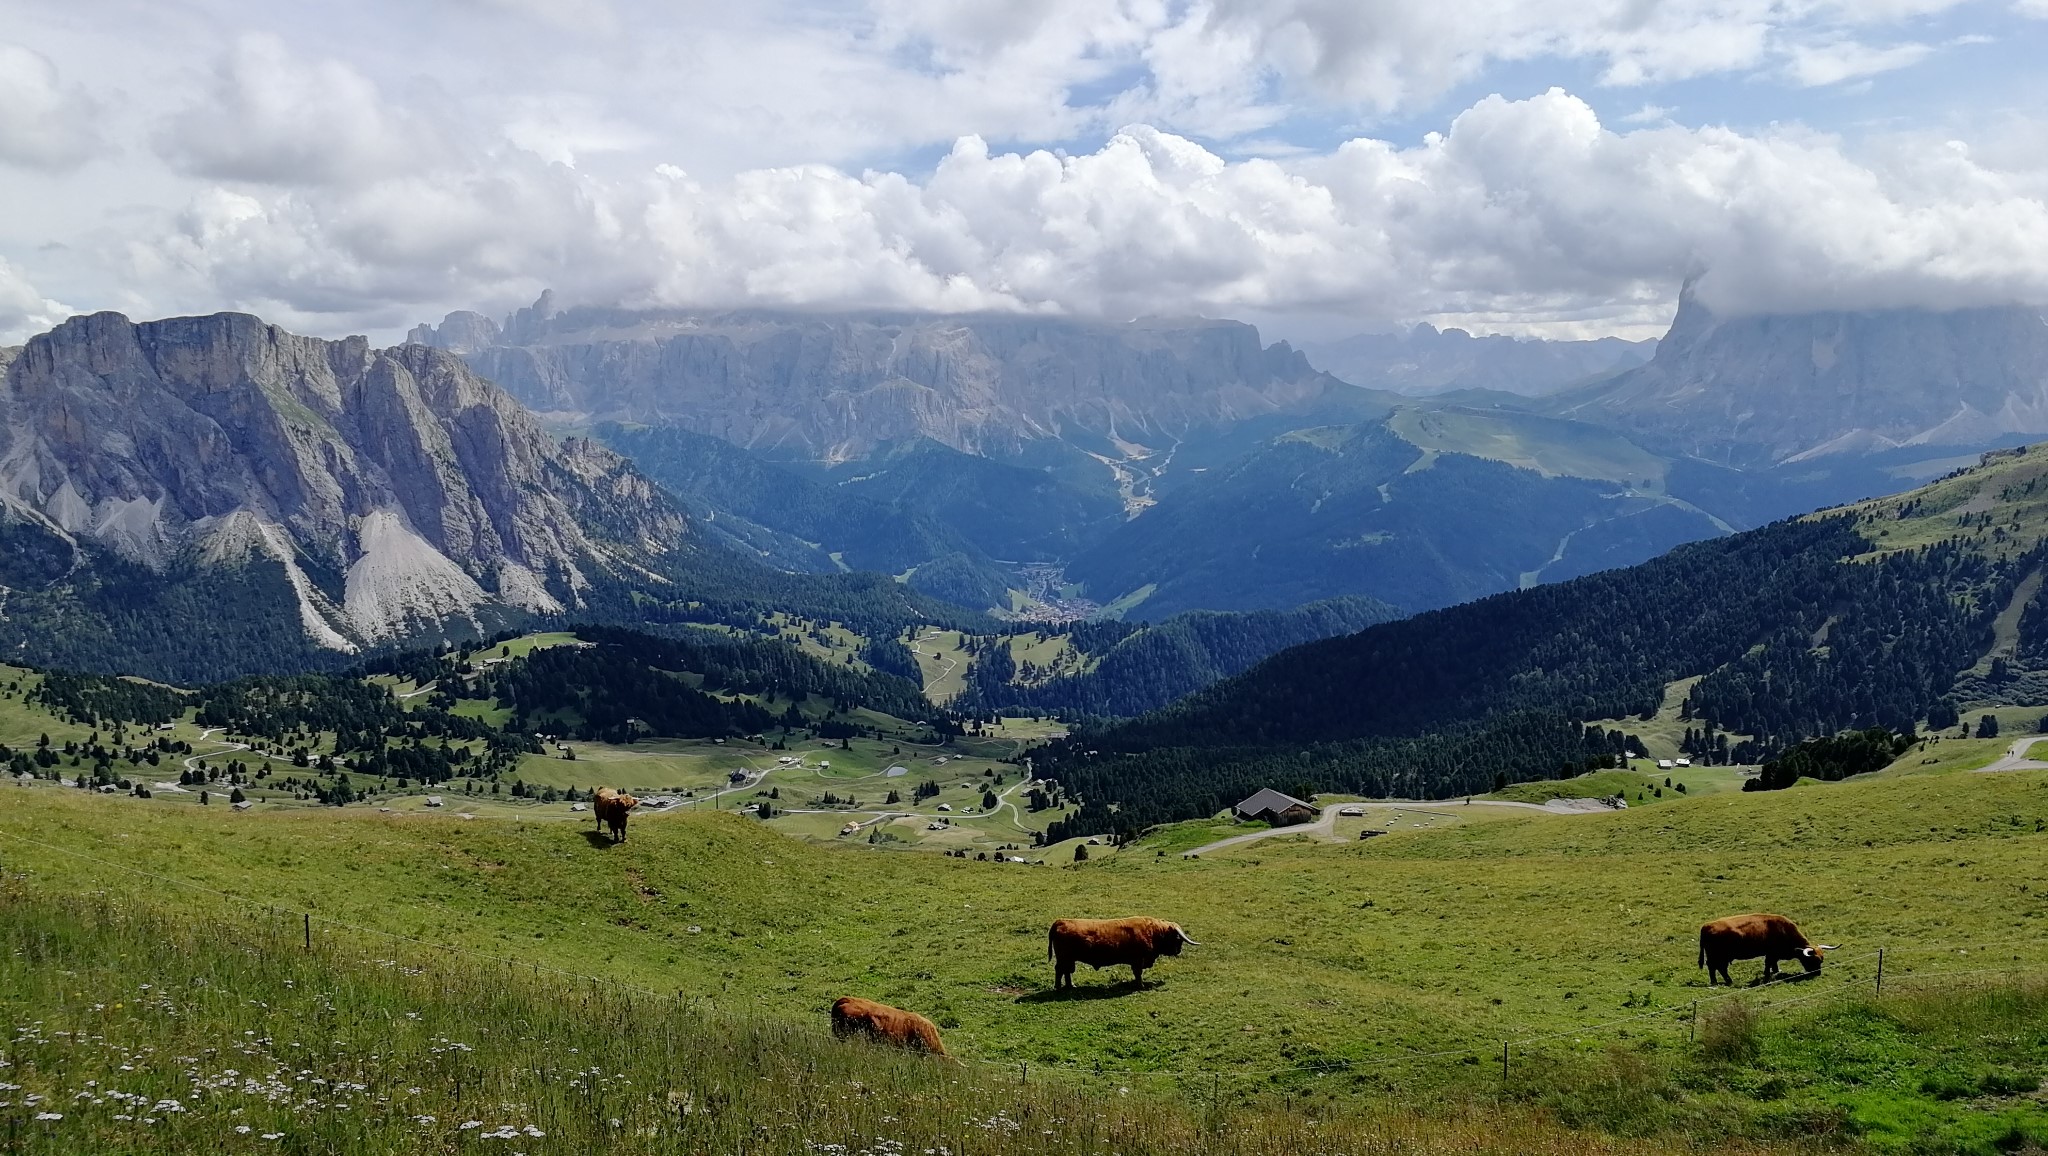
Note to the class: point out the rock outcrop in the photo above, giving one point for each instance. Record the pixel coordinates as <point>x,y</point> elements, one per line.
<point>1775,388</point>
<point>396,488</point>
<point>836,386</point>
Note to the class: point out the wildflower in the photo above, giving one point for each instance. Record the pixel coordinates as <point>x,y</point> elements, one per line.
<point>472,1124</point>
<point>243,1129</point>
<point>49,1115</point>
<point>273,1135</point>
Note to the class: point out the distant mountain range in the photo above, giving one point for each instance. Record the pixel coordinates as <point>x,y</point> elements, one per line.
<point>1425,361</point>
<point>1173,466</point>
<point>1760,390</point>
<point>835,387</point>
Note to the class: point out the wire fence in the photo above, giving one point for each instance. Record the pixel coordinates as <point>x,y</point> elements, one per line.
<point>1843,976</point>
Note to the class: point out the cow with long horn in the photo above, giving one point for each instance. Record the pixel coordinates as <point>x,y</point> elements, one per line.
<point>1769,937</point>
<point>1136,942</point>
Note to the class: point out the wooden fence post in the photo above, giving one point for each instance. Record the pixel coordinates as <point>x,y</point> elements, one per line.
<point>309,931</point>
<point>1880,971</point>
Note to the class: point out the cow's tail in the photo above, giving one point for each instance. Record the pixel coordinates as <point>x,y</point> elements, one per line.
<point>1703,947</point>
<point>1048,942</point>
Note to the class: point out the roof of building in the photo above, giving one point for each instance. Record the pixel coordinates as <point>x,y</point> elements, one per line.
<point>1268,799</point>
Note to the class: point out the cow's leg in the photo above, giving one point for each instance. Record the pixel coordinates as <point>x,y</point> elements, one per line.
<point>1137,975</point>
<point>1062,974</point>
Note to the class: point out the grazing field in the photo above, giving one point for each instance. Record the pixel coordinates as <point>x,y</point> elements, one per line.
<point>239,1036</point>
<point>1391,970</point>
<point>1643,784</point>
<point>943,661</point>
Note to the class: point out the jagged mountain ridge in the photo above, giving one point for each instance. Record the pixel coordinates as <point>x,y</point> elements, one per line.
<point>391,489</point>
<point>835,386</point>
<point>1755,390</point>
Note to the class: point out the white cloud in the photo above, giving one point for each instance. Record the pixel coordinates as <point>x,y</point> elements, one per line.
<point>355,173</point>
<point>44,123</point>
<point>1522,208</point>
<point>23,310</point>
<point>271,116</point>
<point>1831,63</point>
<point>1389,54</point>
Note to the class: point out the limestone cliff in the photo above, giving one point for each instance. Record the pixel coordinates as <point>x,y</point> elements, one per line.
<point>394,489</point>
<point>1772,388</point>
<point>835,386</point>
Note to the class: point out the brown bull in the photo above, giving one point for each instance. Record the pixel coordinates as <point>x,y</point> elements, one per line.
<point>1100,943</point>
<point>852,1015</point>
<point>1771,937</point>
<point>610,805</point>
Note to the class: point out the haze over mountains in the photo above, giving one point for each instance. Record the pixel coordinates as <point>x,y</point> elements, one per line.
<point>1247,477</point>
<point>1044,466</point>
<point>836,386</point>
<point>1772,388</point>
<point>1425,360</point>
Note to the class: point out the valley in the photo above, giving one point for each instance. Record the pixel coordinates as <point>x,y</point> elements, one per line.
<point>936,578</point>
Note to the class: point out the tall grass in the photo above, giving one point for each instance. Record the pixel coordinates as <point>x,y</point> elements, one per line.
<point>127,1030</point>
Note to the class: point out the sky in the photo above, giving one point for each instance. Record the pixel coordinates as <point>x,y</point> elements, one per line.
<point>1552,168</point>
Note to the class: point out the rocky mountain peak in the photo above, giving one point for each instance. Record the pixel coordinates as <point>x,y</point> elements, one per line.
<point>395,487</point>
<point>1776,387</point>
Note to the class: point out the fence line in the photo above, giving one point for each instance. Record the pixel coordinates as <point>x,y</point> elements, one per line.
<point>1829,985</point>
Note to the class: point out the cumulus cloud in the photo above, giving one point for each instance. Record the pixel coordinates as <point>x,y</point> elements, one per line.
<point>336,189</point>
<point>1522,208</point>
<point>23,310</point>
<point>1229,68</point>
<point>269,115</point>
<point>44,123</point>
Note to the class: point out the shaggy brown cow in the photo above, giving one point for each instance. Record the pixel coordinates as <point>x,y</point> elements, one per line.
<point>852,1015</point>
<point>1772,937</point>
<point>1100,943</point>
<point>610,806</point>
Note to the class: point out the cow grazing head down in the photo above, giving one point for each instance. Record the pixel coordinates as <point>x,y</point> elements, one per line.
<point>1759,936</point>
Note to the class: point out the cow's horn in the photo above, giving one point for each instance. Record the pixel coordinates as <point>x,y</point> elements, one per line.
<point>1186,938</point>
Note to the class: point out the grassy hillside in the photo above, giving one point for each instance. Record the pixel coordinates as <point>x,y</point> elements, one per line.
<point>1396,967</point>
<point>355,1045</point>
<point>1922,611</point>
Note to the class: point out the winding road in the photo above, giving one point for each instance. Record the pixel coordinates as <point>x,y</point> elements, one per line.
<point>2016,758</point>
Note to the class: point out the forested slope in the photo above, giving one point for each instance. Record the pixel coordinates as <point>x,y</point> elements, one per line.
<point>1860,618</point>
<point>1139,667</point>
